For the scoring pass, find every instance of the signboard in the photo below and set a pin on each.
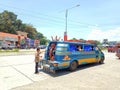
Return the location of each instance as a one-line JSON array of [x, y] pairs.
[[10, 39]]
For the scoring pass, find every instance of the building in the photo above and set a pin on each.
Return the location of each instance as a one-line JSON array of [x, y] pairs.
[[20, 40], [8, 39]]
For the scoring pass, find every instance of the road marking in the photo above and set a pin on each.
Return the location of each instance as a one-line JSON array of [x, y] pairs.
[[22, 73]]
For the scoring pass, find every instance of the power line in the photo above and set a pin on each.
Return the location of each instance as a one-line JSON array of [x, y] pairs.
[[44, 15], [51, 20], [56, 20]]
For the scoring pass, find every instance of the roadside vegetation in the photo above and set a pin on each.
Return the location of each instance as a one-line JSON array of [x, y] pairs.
[[8, 50]]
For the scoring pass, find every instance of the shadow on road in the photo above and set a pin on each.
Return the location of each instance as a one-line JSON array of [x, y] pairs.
[[67, 71]]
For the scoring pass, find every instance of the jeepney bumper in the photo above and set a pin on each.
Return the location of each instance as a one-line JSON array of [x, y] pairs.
[[50, 66], [47, 68]]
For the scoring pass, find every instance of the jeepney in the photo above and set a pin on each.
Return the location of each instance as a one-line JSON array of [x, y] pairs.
[[61, 55]]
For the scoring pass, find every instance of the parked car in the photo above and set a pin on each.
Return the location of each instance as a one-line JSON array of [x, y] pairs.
[[11, 46], [8, 46]]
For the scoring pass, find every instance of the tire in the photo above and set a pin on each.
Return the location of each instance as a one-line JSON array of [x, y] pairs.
[[73, 66], [101, 61]]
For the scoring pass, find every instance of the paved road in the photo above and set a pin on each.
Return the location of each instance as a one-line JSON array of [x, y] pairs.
[[17, 73]]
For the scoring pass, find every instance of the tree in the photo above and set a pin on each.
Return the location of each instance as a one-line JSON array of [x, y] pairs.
[[81, 39], [43, 41], [97, 42], [30, 30], [42, 38], [73, 39], [10, 24]]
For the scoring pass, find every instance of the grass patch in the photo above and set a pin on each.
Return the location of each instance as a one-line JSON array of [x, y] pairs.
[[13, 50]]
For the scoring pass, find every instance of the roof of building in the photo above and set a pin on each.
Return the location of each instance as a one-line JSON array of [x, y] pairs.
[[9, 35]]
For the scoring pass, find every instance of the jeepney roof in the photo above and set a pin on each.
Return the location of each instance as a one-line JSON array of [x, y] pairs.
[[71, 42]]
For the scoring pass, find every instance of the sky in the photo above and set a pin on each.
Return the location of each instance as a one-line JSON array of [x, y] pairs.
[[92, 20]]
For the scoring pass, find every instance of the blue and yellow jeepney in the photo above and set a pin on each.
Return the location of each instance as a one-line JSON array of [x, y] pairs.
[[61, 55]]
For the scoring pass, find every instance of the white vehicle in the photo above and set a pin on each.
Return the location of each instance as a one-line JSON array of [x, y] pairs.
[[7, 46], [11, 46]]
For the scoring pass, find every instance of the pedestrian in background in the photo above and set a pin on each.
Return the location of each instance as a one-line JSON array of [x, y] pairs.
[[37, 59]]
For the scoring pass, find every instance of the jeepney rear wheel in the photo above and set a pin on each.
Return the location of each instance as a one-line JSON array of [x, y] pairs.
[[102, 60], [73, 66]]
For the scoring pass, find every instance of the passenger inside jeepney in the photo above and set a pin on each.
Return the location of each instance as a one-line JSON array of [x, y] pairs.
[[52, 58], [52, 51], [79, 48]]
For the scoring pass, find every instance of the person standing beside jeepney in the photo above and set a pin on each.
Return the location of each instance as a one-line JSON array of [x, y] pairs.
[[37, 59]]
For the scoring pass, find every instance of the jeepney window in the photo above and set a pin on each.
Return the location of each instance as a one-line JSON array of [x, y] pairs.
[[88, 48], [72, 48], [79, 48], [75, 47]]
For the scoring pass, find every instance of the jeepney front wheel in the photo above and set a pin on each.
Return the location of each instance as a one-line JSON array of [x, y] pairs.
[[102, 60], [73, 66]]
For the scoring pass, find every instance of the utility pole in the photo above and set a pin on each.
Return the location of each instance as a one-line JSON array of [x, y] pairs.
[[66, 16]]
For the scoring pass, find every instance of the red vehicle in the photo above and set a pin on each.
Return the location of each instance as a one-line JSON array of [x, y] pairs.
[[118, 50], [111, 48]]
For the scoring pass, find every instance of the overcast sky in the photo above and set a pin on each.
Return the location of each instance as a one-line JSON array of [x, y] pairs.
[[93, 19]]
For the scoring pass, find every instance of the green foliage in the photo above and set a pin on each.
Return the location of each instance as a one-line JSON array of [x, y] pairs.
[[81, 39], [30, 30], [10, 24], [97, 42], [43, 40], [73, 39], [13, 50]]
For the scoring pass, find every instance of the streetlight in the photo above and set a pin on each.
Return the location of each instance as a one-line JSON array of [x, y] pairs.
[[66, 15]]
